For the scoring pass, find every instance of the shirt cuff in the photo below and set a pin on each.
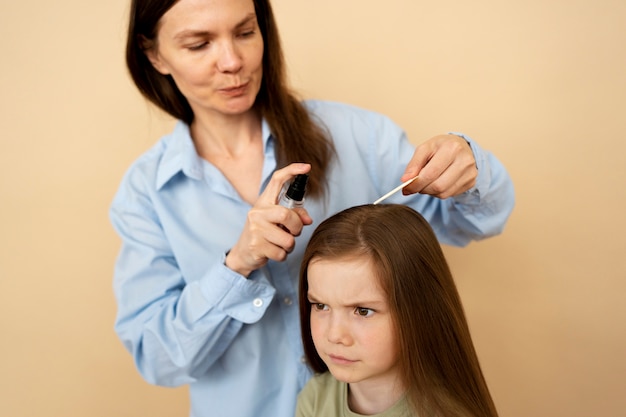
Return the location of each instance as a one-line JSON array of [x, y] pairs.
[[244, 299]]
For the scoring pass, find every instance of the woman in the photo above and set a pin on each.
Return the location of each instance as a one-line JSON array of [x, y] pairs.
[[382, 322], [206, 280]]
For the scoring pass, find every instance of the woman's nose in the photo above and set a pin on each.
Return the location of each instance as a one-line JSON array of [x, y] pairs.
[[229, 59]]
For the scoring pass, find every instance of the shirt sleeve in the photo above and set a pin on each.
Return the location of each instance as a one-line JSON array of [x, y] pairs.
[[479, 213], [175, 330], [482, 211]]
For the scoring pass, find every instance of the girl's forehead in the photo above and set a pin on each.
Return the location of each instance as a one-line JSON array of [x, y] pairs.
[[348, 257], [344, 278]]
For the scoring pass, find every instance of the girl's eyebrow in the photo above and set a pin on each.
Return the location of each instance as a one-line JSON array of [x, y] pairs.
[[190, 33], [371, 303], [313, 299]]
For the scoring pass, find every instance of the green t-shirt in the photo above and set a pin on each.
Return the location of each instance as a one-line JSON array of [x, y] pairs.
[[324, 396]]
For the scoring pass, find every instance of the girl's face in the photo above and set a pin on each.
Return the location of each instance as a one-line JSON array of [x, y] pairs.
[[351, 324], [213, 49]]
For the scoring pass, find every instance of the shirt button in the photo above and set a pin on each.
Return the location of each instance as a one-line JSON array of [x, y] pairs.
[[303, 359], [288, 301], [257, 302]]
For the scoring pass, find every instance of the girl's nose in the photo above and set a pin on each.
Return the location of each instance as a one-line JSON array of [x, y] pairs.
[[338, 332]]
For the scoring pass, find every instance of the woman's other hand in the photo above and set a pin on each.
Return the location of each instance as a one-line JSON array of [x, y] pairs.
[[445, 165]]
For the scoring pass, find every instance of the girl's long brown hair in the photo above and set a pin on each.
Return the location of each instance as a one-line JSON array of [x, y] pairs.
[[298, 137], [438, 363]]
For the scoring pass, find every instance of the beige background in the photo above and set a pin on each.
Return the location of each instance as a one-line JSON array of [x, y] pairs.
[[540, 83]]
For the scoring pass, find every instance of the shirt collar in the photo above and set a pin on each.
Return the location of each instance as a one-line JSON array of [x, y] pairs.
[[180, 154]]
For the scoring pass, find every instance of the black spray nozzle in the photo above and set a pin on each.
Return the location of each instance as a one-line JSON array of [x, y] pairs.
[[298, 187]]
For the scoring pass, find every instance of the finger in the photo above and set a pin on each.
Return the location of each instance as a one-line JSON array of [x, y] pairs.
[[436, 166], [431, 171], [460, 176], [279, 243], [304, 216], [420, 158], [262, 250], [447, 144], [446, 153], [447, 185], [456, 179], [295, 220], [279, 178], [270, 223], [264, 238]]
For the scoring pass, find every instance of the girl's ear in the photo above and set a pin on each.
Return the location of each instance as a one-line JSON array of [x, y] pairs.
[[150, 48]]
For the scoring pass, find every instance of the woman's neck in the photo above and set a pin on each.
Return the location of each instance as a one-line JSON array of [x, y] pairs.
[[234, 145], [225, 136]]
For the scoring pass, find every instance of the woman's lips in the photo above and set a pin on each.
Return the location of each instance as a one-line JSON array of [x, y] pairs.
[[234, 90]]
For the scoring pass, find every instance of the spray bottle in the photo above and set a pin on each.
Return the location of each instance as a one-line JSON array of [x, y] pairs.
[[294, 196]]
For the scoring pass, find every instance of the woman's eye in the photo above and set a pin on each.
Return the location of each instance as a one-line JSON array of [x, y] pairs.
[[364, 312], [246, 33], [197, 46], [249, 30]]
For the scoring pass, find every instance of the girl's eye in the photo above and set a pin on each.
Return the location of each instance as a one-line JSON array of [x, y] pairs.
[[364, 312], [320, 306]]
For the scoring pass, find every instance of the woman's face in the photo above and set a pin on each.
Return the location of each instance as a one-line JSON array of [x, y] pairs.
[[351, 324], [213, 49]]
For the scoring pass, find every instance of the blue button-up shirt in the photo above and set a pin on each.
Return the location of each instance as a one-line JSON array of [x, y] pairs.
[[188, 319]]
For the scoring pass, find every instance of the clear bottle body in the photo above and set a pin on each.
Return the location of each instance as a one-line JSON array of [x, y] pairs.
[[285, 201], [293, 197]]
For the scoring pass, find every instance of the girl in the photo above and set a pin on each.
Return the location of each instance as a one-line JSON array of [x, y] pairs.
[[382, 322]]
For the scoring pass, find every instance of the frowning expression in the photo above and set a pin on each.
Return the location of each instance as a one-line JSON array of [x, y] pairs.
[[351, 325]]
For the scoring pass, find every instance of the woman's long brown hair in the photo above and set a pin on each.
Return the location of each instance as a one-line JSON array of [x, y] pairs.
[[437, 360], [298, 137]]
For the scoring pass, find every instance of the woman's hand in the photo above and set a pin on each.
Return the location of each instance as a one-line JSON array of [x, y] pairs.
[[262, 237], [445, 165]]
